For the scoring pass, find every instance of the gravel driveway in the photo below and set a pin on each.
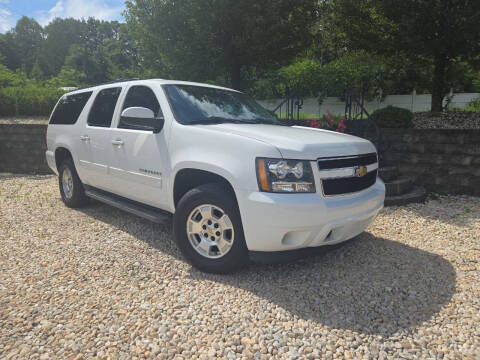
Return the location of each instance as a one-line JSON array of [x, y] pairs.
[[98, 282]]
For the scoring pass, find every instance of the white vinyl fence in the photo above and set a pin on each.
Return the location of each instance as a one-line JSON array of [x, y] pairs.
[[412, 102]]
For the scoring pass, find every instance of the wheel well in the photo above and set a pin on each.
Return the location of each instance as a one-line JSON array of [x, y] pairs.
[[60, 155], [187, 179]]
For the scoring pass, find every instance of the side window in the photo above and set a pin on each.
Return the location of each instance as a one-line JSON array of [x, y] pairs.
[[142, 96], [103, 107], [69, 108]]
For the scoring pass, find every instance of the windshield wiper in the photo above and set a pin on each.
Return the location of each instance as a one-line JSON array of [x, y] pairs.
[[219, 120], [265, 121]]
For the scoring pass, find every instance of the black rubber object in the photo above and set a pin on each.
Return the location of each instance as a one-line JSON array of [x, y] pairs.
[[220, 195]]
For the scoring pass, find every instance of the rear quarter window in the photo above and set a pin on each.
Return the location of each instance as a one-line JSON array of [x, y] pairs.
[[103, 107], [69, 108]]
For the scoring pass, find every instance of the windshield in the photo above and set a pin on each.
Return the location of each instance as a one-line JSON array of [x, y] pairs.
[[205, 105]]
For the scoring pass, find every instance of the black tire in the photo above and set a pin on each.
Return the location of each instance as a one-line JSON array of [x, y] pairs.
[[221, 196], [78, 197]]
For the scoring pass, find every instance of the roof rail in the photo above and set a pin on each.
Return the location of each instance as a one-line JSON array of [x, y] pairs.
[[107, 83], [118, 80]]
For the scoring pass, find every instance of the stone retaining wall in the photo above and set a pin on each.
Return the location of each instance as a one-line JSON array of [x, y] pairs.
[[22, 148], [442, 160]]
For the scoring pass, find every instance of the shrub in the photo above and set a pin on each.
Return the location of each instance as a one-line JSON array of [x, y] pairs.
[[20, 96], [33, 99], [473, 106], [393, 117], [358, 69], [328, 121]]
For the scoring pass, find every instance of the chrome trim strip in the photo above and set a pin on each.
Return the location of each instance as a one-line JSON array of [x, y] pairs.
[[343, 172], [340, 158]]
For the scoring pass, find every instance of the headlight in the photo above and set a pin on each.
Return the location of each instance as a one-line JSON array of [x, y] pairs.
[[286, 176]]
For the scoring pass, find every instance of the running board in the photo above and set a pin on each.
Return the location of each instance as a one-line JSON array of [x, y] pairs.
[[147, 212]]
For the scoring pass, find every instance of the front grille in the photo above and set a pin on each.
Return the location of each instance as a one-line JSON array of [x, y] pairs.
[[346, 161], [337, 173], [348, 184]]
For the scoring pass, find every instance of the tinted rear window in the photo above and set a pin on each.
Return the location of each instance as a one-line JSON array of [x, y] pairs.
[[69, 108], [103, 107]]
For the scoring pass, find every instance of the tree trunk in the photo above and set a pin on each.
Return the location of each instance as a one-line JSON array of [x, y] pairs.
[[438, 86], [236, 76]]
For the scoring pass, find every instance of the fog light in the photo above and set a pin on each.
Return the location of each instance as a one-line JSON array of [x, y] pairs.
[[293, 187]]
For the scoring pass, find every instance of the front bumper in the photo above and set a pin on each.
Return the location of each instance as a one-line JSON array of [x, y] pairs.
[[50, 156], [279, 222]]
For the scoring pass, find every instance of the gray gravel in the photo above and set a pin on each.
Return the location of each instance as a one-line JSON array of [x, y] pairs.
[[447, 120], [100, 283], [24, 120]]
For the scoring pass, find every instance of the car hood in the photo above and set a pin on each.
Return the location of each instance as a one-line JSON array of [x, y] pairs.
[[299, 142]]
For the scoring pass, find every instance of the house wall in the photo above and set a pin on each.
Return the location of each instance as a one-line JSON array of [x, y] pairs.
[[412, 102]]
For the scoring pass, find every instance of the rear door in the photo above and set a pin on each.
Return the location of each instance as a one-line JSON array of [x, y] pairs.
[[66, 120], [95, 138], [139, 158]]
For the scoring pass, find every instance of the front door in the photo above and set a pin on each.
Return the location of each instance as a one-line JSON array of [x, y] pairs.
[[139, 157], [95, 139]]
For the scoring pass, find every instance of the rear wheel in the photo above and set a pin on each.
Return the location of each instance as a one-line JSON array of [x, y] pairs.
[[71, 187], [209, 231]]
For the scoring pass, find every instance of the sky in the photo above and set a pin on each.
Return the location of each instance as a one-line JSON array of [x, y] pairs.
[[46, 10]]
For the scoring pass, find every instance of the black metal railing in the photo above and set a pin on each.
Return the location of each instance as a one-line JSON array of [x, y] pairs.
[[358, 120], [289, 109]]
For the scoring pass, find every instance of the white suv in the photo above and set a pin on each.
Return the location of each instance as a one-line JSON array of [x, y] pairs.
[[239, 182]]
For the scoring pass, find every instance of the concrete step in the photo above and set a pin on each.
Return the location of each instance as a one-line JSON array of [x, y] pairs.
[[388, 173], [416, 195], [399, 186]]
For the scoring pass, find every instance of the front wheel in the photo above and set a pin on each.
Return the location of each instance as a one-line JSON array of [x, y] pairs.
[[208, 229], [71, 187]]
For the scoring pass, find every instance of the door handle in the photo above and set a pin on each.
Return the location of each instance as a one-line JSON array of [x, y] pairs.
[[117, 142], [84, 138]]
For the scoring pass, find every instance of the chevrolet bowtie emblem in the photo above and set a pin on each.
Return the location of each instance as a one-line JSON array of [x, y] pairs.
[[359, 170]]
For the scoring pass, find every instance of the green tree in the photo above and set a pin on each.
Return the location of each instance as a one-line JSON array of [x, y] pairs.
[[26, 39], [36, 73], [439, 30], [9, 51], [67, 77], [10, 78], [200, 39], [60, 34], [357, 69]]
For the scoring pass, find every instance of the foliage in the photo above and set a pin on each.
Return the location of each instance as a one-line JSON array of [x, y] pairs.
[[302, 116], [473, 106], [68, 77], [97, 51], [438, 30], [302, 77], [329, 121], [30, 100], [358, 70], [393, 117], [26, 38], [200, 39], [268, 48], [22, 96]]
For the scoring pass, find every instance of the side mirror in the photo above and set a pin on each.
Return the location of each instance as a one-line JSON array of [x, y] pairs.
[[140, 118]]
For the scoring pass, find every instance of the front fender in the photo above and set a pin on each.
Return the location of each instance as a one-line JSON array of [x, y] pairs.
[[225, 154]]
